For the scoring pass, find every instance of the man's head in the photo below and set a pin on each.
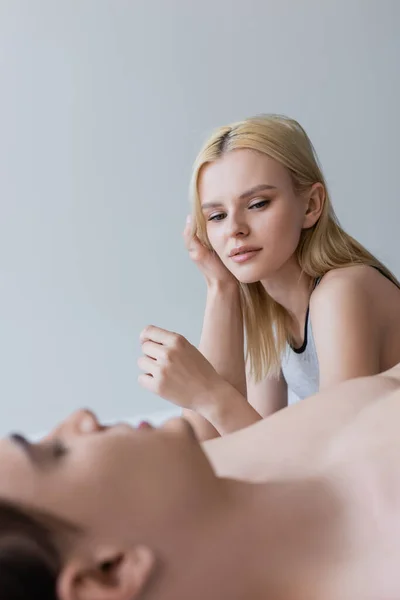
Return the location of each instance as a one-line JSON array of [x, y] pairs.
[[132, 496]]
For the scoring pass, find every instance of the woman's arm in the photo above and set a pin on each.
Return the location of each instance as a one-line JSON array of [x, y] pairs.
[[177, 371], [345, 328], [222, 343], [268, 395], [222, 338]]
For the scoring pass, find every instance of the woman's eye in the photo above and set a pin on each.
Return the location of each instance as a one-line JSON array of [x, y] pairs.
[[217, 217], [259, 204]]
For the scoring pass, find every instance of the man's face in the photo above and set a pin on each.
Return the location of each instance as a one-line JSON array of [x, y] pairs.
[[114, 482]]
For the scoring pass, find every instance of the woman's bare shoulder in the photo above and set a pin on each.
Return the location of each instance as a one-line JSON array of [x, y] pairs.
[[356, 275], [358, 281]]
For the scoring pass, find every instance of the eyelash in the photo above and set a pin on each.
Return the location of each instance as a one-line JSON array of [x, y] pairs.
[[263, 203]]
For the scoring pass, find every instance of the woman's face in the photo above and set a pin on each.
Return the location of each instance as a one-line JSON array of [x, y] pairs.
[[113, 481], [250, 207]]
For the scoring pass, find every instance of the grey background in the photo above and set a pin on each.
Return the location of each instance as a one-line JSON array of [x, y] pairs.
[[103, 106]]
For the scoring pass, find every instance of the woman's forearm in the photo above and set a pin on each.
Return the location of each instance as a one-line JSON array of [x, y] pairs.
[[222, 344], [222, 338], [224, 411], [227, 410]]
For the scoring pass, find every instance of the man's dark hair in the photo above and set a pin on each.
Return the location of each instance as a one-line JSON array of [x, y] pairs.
[[30, 557]]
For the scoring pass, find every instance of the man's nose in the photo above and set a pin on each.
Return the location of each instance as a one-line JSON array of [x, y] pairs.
[[79, 422]]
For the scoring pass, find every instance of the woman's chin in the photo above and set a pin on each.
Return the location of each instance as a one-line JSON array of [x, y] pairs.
[[247, 280], [248, 276]]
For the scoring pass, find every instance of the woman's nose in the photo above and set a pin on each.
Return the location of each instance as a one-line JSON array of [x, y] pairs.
[[80, 422], [237, 226]]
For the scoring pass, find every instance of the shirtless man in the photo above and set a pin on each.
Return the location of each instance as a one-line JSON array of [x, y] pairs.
[[152, 521]]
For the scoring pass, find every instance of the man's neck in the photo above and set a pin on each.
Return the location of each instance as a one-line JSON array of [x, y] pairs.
[[260, 541]]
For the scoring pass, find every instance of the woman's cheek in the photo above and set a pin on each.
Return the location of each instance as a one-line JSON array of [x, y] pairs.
[[213, 239]]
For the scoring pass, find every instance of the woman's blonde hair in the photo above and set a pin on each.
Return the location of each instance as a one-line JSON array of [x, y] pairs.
[[323, 247]]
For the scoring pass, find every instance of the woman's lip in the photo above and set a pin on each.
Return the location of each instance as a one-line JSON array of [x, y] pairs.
[[242, 250], [244, 256]]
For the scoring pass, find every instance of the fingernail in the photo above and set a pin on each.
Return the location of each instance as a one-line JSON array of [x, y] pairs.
[[189, 219]]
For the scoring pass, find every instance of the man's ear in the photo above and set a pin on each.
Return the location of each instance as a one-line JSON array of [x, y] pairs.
[[315, 204], [110, 575]]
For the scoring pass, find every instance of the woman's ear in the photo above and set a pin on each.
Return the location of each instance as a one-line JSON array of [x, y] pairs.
[[110, 575], [315, 204]]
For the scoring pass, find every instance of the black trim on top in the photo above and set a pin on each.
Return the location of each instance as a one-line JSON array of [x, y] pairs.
[[304, 344], [317, 281]]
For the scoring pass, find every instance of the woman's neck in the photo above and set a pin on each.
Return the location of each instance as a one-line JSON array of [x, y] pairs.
[[291, 288]]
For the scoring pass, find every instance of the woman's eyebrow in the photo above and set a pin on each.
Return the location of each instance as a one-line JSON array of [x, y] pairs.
[[254, 190], [257, 188]]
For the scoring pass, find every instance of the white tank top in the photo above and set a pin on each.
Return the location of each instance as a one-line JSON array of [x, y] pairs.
[[300, 366]]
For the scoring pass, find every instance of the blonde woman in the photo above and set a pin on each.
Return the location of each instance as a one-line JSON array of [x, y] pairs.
[[290, 293]]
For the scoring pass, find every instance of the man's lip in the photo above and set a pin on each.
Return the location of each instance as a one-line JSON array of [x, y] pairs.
[[144, 425], [243, 250]]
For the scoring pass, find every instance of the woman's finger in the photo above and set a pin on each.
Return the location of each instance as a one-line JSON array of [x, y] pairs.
[[157, 334], [192, 242], [153, 350], [187, 232], [147, 381], [147, 365]]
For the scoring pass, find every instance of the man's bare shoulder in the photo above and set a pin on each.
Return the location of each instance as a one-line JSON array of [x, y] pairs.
[[392, 374]]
